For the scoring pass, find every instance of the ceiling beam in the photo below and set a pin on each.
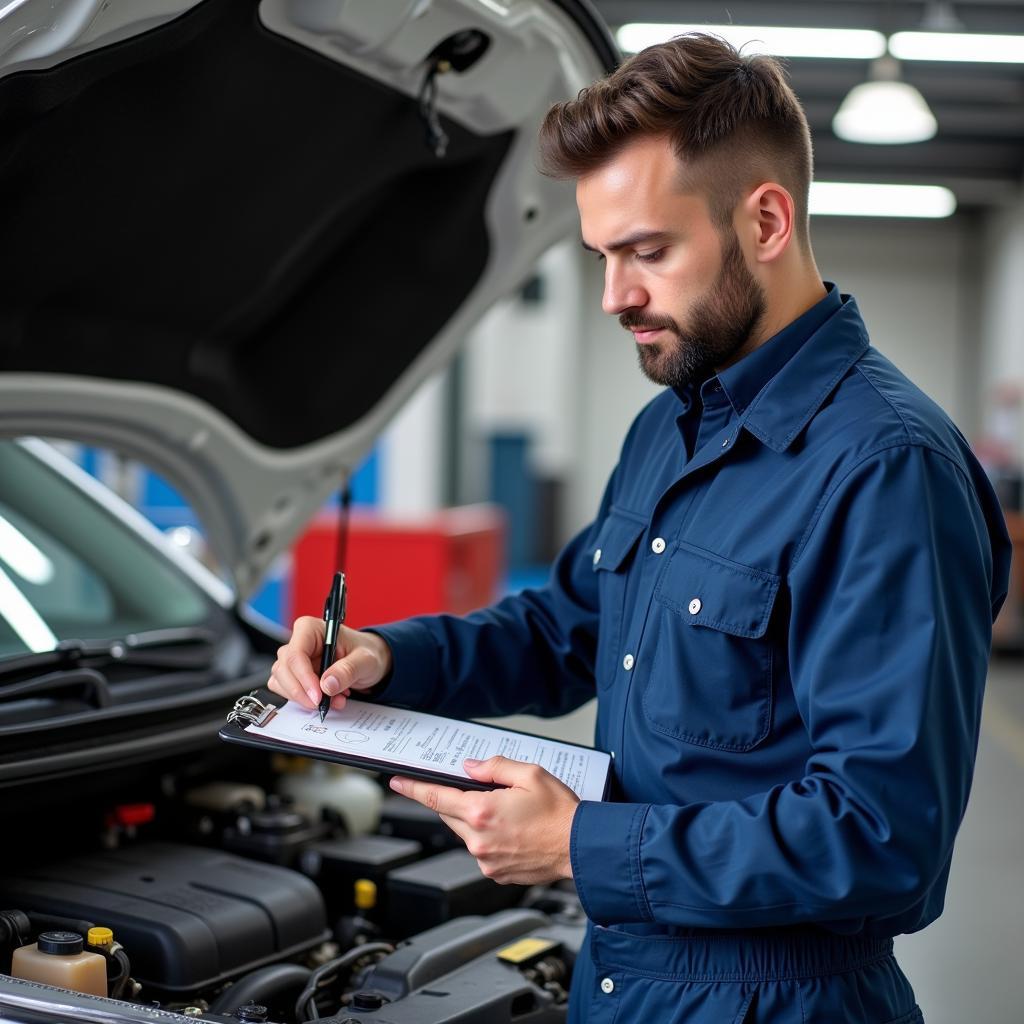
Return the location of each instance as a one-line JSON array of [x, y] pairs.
[[963, 121], [945, 156]]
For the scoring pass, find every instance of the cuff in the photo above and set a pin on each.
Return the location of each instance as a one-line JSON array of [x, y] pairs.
[[604, 848], [414, 664]]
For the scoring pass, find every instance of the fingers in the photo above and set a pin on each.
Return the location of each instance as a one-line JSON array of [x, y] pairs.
[[291, 679], [358, 670], [292, 675], [505, 772], [308, 635], [459, 827], [365, 661], [452, 803]]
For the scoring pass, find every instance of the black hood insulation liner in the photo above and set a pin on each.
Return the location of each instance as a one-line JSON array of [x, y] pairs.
[[214, 208]]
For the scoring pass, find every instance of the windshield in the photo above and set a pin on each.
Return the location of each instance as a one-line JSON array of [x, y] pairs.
[[71, 570]]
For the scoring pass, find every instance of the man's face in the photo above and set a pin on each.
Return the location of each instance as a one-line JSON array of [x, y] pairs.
[[688, 299]]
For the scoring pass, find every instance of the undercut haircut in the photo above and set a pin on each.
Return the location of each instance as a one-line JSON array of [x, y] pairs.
[[733, 123]]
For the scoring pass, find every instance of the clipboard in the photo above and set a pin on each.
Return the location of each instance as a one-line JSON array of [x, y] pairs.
[[251, 711]]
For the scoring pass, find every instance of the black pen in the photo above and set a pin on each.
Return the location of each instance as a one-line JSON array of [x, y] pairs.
[[334, 616]]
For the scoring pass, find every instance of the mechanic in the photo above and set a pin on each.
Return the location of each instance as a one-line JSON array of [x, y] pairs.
[[784, 605]]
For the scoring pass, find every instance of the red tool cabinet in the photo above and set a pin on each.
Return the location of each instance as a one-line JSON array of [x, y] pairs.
[[452, 561]]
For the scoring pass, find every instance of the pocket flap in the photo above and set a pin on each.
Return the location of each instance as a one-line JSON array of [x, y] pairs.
[[711, 591], [615, 541]]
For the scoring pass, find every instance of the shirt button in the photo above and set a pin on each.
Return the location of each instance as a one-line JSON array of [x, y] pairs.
[[597, 556], [725, 443], [695, 606], [658, 545], [607, 986], [627, 662], [613, 755]]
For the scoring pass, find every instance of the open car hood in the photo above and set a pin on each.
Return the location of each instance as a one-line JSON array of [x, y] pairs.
[[228, 244]]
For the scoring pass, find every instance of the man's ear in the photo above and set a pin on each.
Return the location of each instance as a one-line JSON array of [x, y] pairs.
[[769, 215]]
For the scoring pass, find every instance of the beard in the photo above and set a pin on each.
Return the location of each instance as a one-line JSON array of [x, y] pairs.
[[719, 325]]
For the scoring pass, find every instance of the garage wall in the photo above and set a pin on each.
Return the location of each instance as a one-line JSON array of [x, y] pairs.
[[411, 454], [917, 286], [519, 375], [1002, 318], [520, 364]]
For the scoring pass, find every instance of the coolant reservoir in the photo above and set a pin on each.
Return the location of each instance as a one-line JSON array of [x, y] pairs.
[[353, 794], [58, 958]]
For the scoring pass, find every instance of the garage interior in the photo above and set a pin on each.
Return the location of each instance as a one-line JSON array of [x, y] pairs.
[[500, 453]]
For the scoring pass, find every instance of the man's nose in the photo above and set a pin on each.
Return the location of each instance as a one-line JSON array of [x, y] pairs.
[[621, 291]]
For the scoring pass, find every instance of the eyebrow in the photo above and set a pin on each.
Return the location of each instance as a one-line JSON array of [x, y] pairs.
[[624, 243]]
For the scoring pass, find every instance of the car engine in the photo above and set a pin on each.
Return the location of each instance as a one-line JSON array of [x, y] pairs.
[[317, 894]]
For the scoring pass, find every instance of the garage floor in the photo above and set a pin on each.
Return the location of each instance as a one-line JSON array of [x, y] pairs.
[[968, 967]]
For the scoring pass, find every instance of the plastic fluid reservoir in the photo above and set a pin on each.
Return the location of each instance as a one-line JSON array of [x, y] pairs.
[[355, 795], [58, 959]]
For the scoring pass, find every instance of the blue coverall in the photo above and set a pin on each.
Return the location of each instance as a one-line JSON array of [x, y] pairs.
[[784, 607]]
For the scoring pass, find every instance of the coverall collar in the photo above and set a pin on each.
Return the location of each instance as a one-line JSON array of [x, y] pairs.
[[777, 389], [744, 380], [788, 402]]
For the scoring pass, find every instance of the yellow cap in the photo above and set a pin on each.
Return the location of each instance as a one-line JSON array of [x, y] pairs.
[[366, 894], [100, 936], [526, 949]]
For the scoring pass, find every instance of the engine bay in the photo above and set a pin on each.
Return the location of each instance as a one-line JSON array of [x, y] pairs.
[[272, 890]]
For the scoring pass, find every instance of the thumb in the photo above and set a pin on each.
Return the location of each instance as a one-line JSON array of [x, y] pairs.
[[501, 770], [358, 670]]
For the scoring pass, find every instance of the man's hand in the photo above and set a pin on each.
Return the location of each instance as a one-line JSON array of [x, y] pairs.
[[519, 834], [364, 659]]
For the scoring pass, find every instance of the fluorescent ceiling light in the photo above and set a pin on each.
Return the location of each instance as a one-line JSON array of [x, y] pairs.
[[859, 199], [959, 46], [859, 44]]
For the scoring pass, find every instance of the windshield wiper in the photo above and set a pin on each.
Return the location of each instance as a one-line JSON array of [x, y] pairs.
[[181, 647], [89, 684]]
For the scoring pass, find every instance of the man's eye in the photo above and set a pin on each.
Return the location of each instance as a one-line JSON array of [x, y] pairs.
[[650, 257]]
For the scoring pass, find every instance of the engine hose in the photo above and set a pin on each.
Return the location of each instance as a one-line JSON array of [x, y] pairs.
[[305, 1005], [14, 928], [262, 986], [51, 922], [14, 932], [121, 982]]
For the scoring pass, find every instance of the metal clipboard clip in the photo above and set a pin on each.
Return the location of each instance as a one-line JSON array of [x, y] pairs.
[[252, 711]]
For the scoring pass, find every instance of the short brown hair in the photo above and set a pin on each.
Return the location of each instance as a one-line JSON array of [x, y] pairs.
[[732, 120]]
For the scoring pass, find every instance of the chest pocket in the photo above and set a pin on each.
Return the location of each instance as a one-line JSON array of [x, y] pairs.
[[612, 557], [710, 679]]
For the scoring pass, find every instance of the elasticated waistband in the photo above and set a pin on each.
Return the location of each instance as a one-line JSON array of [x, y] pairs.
[[736, 956]]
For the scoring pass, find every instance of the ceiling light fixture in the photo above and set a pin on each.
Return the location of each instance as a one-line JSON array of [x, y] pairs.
[[884, 110], [958, 46], [839, 43], [861, 199]]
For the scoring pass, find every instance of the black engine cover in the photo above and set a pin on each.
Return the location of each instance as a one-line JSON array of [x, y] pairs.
[[189, 918]]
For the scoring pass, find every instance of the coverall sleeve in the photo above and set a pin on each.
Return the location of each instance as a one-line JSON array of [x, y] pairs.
[[532, 653], [892, 597]]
